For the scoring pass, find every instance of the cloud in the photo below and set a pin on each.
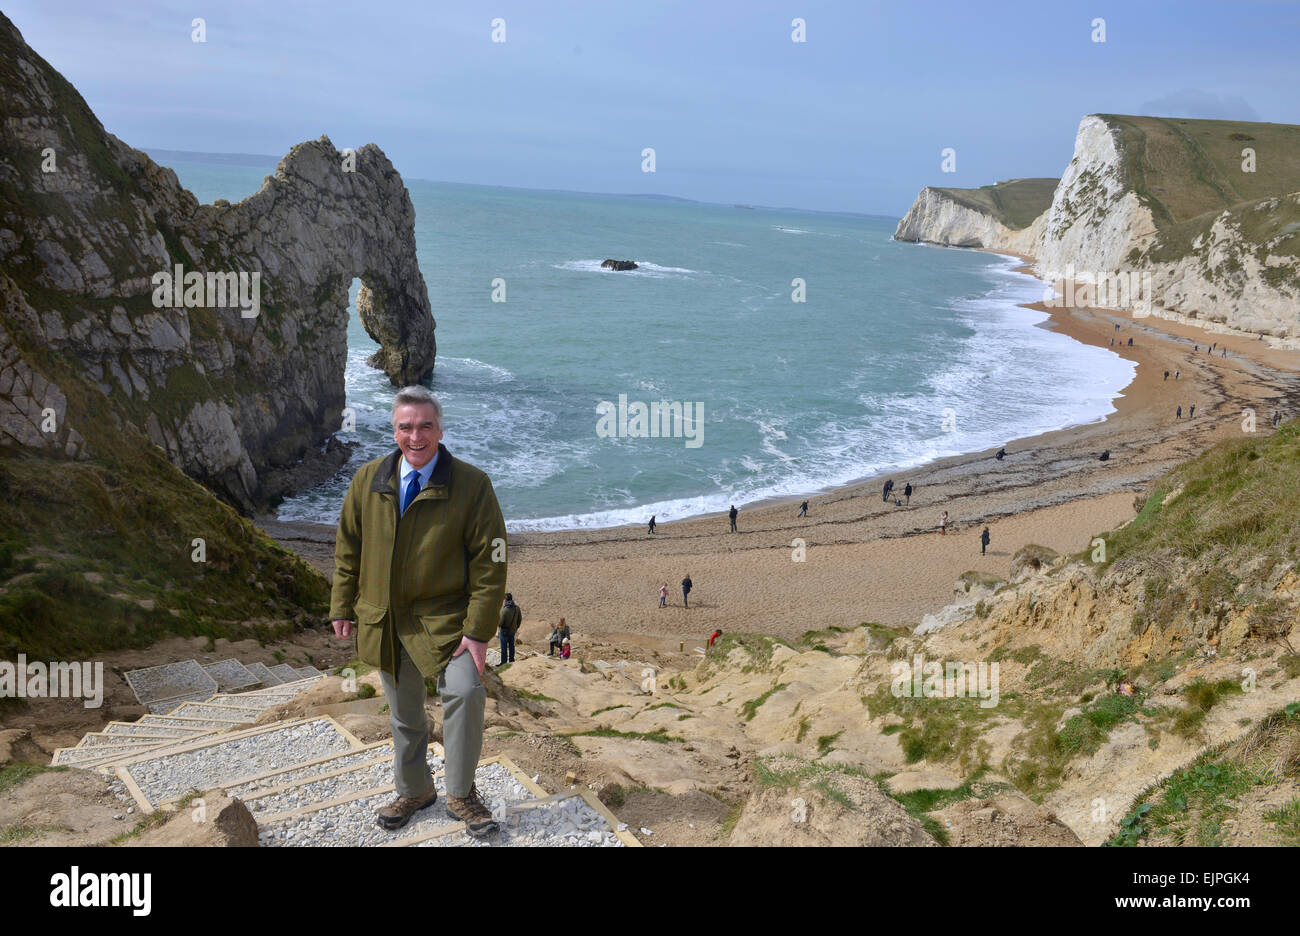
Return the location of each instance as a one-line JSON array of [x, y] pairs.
[[1202, 104]]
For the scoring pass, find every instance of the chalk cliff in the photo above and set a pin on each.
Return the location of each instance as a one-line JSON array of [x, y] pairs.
[[243, 403], [992, 217], [1209, 209]]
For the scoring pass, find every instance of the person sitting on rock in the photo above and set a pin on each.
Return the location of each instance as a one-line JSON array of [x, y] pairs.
[[565, 649], [558, 636]]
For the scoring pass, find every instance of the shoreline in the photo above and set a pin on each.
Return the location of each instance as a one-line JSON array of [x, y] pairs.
[[868, 560]]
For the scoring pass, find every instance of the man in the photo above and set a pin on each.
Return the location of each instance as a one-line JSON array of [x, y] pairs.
[[732, 515], [415, 569], [687, 585], [907, 492], [511, 618], [984, 540], [803, 509]]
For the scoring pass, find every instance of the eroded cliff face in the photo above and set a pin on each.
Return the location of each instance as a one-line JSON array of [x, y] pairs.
[[241, 402], [935, 218], [1238, 269]]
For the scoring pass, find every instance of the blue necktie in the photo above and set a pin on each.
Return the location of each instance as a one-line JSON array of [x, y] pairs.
[[411, 490]]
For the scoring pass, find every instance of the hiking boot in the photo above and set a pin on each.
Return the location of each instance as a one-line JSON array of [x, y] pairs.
[[399, 812], [470, 810]]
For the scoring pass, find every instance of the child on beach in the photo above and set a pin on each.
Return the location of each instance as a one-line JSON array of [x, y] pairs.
[[663, 595], [943, 524], [565, 649]]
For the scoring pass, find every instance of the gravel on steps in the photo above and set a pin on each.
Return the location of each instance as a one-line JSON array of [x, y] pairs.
[[569, 822], [353, 823], [173, 775], [150, 729], [244, 790], [318, 791]]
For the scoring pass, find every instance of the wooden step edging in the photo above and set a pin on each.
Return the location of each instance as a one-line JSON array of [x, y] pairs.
[[147, 807]]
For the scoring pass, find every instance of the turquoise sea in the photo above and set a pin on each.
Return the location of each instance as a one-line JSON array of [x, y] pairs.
[[901, 354]]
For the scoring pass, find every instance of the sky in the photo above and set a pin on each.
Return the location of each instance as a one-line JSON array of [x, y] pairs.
[[855, 118]]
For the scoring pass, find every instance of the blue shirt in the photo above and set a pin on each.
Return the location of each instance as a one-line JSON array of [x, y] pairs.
[[406, 471]]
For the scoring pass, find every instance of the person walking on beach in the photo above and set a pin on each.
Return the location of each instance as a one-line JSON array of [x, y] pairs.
[[889, 486], [1277, 418], [984, 540], [1178, 413], [1192, 411], [732, 515], [1176, 374], [1166, 375], [1130, 342], [687, 585], [803, 509], [414, 571], [652, 523], [511, 618], [559, 635], [943, 524], [663, 595], [907, 492]]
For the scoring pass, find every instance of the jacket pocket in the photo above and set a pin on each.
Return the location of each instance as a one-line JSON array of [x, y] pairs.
[[370, 632]]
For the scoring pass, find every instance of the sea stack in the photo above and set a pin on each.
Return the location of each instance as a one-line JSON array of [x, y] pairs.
[[618, 265]]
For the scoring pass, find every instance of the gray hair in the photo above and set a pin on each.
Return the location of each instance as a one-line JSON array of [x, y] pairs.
[[418, 396]]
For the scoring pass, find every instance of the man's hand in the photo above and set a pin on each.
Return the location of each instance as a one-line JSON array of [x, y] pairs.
[[477, 650], [342, 628]]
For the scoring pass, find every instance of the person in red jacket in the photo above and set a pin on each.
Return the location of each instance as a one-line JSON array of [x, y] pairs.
[[713, 638]]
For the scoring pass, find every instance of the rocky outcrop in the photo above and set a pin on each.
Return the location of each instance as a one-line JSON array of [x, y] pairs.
[[240, 382], [618, 265]]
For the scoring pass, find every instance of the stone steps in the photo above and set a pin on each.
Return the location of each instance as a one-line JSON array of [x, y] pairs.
[[158, 734], [159, 777]]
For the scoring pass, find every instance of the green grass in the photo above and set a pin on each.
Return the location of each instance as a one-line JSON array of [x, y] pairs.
[[1015, 203], [13, 775], [16, 834], [651, 708], [750, 708], [659, 734], [533, 696], [813, 638], [1189, 806], [826, 742], [1238, 498], [758, 649], [608, 708], [1287, 819], [919, 803]]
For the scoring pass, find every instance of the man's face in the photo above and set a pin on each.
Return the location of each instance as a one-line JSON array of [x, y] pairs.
[[417, 433]]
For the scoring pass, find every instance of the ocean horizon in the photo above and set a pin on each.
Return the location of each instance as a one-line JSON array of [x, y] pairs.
[[898, 356]]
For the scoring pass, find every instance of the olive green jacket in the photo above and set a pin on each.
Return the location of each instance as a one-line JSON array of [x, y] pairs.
[[435, 576]]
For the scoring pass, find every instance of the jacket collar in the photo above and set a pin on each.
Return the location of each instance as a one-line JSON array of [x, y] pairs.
[[383, 480]]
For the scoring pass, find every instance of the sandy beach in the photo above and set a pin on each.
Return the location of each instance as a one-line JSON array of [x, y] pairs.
[[867, 560]]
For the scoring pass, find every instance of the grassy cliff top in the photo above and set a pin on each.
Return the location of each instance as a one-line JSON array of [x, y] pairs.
[[1187, 168], [1016, 202]]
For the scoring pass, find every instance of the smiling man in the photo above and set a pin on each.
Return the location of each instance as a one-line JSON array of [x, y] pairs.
[[414, 569]]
